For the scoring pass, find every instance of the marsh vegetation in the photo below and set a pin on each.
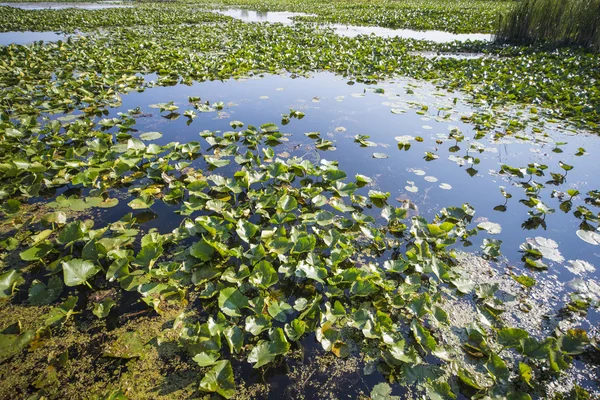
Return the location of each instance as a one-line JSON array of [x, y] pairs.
[[554, 23], [195, 206]]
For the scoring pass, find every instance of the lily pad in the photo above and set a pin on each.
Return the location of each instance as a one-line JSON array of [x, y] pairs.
[[8, 282], [380, 155], [220, 380], [149, 136], [547, 247], [12, 344], [491, 227], [231, 301], [589, 237], [579, 267], [41, 294], [77, 271]]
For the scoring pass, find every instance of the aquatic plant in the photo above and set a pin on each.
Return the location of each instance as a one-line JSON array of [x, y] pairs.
[[263, 254], [271, 250], [552, 22]]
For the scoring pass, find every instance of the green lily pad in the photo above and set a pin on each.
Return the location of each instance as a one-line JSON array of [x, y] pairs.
[[77, 271], [220, 380], [149, 136], [9, 281], [231, 301], [12, 344], [40, 294]]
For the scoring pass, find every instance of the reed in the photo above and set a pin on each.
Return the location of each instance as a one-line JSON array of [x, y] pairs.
[[552, 22]]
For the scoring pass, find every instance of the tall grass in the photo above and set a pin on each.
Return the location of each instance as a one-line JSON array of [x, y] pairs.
[[553, 22]]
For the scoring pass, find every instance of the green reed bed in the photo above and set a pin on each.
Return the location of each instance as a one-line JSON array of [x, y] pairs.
[[562, 23]]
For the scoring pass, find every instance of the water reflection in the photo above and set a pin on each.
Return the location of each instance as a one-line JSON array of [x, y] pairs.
[[433, 156], [433, 36], [282, 17], [7, 38], [62, 6], [351, 30], [454, 56]]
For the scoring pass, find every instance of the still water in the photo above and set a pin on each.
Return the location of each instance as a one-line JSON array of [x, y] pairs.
[[432, 174], [62, 6], [7, 38], [286, 18], [435, 172]]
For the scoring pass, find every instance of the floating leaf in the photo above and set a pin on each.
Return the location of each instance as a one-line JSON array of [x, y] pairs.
[[256, 325], [202, 250], [264, 275], [383, 391], [36, 252], [63, 311], [497, 368], [220, 380], [8, 282], [524, 280], [579, 267], [246, 230], [149, 136], [127, 345], [295, 329], [491, 227], [205, 359], [235, 338], [548, 248], [77, 271], [473, 379], [288, 203], [464, 285], [278, 310], [12, 344], [266, 351], [589, 237], [511, 337], [526, 373], [231, 300], [380, 155], [40, 294], [102, 309]]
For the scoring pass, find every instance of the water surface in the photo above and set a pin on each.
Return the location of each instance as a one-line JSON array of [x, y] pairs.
[[454, 56], [387, 111], [286, 18], [400, 110], [432, 36], [62, 6], [27, 37], [281, 17]]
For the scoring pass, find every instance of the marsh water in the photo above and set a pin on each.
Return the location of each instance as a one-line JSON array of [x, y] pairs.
[[7, 38], [413, 140], [353, 30], [409, 111], [402, 109], [62, 6], [432, 36], [281, 17]]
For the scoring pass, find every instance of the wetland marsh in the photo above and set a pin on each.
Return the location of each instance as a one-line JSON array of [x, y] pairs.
[[242, 200]]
